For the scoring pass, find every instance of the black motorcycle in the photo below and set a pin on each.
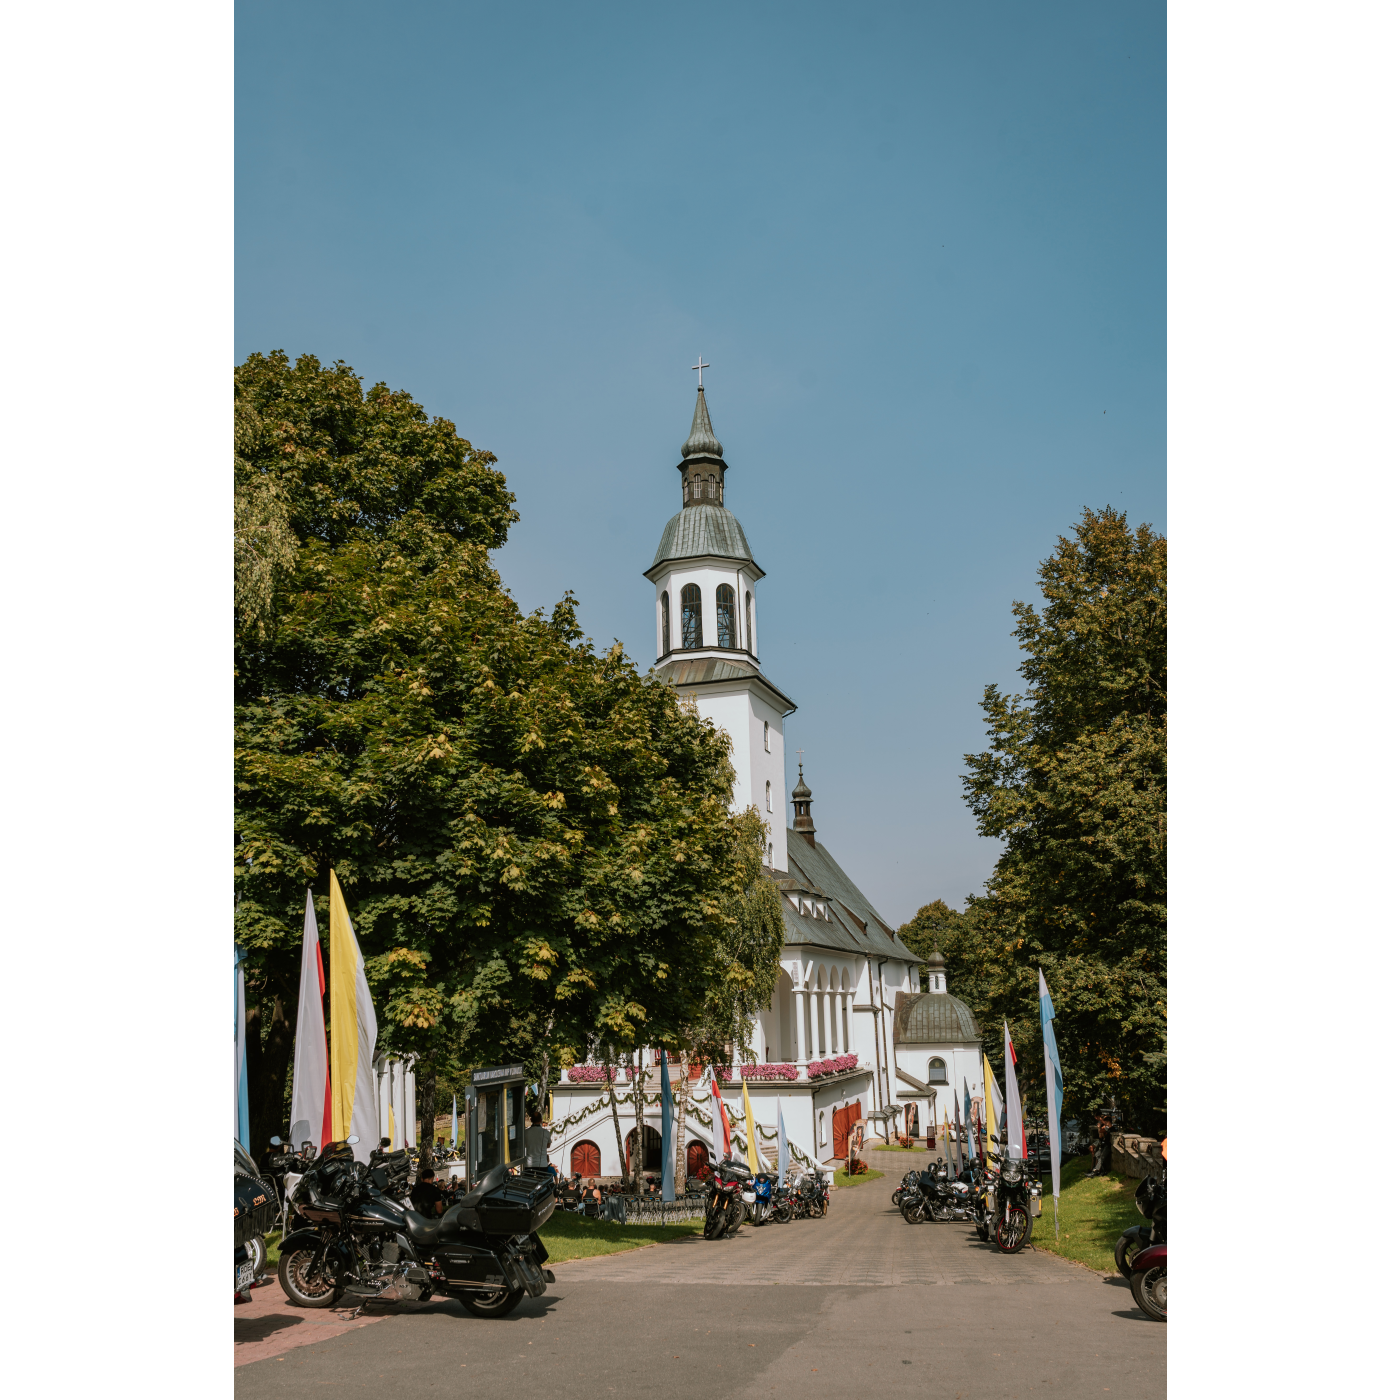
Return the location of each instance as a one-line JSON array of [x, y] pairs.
[[1151, 1201], [730, 1189], [814, 1196], [1017, 1202], [254, 1211], [909, 1183], [359, 1242], [933, 1196]]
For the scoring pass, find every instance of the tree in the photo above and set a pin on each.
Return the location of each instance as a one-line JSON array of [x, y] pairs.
[[931, 929], [1074, 782], [528, 832]]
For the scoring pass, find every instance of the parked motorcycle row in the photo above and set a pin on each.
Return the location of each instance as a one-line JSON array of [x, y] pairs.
[[1002, 1206], [736, 1194], [355, 1236]]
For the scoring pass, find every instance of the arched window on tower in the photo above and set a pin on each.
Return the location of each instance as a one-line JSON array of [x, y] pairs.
[[724, 614], [691, 633], [710, 486], [748, 621], [665, 623], [937, 1072], [766, 747], [768, 795]]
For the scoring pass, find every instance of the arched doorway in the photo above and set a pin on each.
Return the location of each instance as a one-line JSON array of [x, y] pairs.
[[697, 1160], [651, 1149], [585, 1160]]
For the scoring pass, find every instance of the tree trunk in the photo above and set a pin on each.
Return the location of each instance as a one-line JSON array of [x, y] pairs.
[[617, 1126], [427, 1112], [268, 1062], [639, 1100]]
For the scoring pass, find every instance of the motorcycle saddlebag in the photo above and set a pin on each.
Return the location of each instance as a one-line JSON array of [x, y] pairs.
[[518, 1206]]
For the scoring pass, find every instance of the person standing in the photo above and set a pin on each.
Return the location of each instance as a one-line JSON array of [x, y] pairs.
[[1101, 1144], [537, 1143]]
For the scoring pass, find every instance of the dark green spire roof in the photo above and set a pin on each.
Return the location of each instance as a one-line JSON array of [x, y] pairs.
[[702, 441]]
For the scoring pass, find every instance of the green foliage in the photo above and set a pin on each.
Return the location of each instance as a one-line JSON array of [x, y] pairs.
[[532, 838], [840, 1178], [931, 928], [1094, 1212], [1074, 783]]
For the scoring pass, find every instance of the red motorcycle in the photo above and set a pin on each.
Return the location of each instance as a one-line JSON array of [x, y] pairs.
[[1149, 1281]]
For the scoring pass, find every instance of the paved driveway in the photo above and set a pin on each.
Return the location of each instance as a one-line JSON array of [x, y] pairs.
[[857, 1298]]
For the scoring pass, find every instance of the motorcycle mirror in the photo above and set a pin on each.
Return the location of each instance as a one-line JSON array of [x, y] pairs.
[[352, 1140], [275, 1141]]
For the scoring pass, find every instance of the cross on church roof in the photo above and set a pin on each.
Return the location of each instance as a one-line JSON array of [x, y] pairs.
[[700, 367]]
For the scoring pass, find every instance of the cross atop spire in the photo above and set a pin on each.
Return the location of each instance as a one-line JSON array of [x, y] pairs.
[[700, 367]]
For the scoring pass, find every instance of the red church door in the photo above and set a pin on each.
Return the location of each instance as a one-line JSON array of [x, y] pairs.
[[585, 1159]]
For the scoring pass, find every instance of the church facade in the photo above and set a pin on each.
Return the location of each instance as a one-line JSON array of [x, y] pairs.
[[825, 1049]]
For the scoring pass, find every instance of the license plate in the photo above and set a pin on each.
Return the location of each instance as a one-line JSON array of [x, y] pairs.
[[243, 1276]]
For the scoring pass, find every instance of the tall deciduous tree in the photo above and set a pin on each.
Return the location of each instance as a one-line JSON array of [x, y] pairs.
[[528, 832], [1075, 783]]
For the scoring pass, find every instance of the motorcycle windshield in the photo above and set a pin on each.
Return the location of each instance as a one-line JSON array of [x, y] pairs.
[[242, 1162]]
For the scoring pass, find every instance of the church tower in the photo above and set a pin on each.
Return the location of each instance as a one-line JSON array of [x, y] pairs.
[[706, 585]]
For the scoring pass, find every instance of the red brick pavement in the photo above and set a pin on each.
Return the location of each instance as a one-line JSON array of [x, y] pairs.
[[270, 1325]]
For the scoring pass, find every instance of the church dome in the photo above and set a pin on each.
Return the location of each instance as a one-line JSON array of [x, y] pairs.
[[931, 1017], [700, 529]]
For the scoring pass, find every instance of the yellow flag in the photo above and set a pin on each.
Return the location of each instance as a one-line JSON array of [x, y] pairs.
[[749, 1131], [354, 1093], [991, 1111], [392, 1129]]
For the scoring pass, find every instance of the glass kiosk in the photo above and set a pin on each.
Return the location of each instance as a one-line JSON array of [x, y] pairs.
[[497, 1119]]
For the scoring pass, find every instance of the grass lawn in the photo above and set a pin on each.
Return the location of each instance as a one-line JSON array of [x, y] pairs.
[[1092, 1216], [570, 1236], [841, 1179]]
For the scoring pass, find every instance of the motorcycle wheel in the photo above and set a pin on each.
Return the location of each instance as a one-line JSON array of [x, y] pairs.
[[912, 1212], [1013, 1230], [257, 1250], [302, 1291], [984, 1233], [1130, 1243], [1150, 1293], [895, 1199], [494, 1304], [736, 1217], [782, 1213], [714, 1226]]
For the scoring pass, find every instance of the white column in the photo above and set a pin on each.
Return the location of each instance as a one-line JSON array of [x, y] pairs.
[[800, 1006], [835, 1037]]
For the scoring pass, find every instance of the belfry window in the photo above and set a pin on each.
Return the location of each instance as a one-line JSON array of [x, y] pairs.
[[937, 1072], [724, 614], [710, 486], [691, 632], [748, 621], [665, 623]]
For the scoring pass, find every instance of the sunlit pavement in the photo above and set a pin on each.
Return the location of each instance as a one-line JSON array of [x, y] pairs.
[[859, 1297]]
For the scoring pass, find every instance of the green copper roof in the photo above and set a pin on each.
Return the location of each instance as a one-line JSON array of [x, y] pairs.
[[933, 1017], [700, 530]]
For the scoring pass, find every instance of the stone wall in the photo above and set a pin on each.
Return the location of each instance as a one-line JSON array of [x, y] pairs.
[[1134, 1155]]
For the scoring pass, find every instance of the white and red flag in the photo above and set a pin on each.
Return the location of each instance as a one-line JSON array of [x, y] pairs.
[[311, 1066], [1015, 1123], [721, 1116]]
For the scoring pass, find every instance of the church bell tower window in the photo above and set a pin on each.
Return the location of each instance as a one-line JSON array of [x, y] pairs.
[[690, 617], [748, 621], [665, 623], [724, 613]]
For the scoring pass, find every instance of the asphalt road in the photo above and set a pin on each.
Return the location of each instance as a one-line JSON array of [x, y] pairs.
[[857, 1298]]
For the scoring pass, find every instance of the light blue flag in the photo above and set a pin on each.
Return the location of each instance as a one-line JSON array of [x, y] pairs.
[[453, 1143], [668, 1132], [240, 1053], [782, 1147], [1055, 1101]]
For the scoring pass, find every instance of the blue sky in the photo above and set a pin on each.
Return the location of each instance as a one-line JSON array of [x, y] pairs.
[[922, 247]]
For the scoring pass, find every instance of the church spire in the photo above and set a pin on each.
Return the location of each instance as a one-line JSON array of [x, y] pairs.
[[702, 441], [702, 465], [802, 807]]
